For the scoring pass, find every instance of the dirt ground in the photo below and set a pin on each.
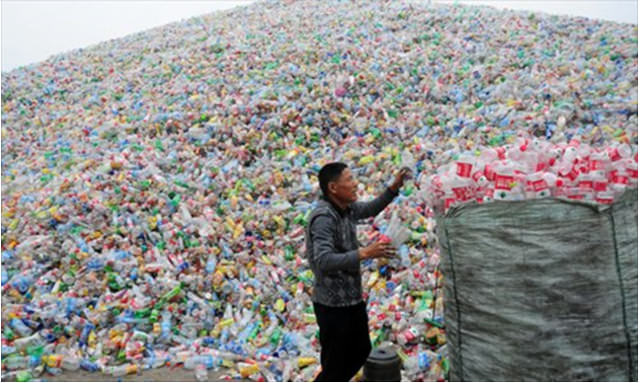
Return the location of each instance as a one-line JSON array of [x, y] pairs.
[[178, 374]]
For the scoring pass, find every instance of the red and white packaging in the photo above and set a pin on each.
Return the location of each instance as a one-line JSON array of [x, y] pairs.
[[585, 182], [489, 172], [605, 198], [600, 184], [576, 194], [618, 178], [463, 189], [504, 181], [464, 166], [632, 170], [532, 168]]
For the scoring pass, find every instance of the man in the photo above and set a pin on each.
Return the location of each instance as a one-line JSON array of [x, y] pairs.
[[334, 255]]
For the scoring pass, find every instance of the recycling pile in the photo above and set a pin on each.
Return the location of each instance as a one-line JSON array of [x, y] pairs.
[[155, 188]]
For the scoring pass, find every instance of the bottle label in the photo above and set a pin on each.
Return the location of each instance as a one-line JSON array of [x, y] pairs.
[[503, 182], [620, 179], [600, 185], [477, 175], [489, 173], [409, 336], [464, 169], [614, 154], [448, 202], [132, 369], [463, 193], [586, 184], [539, 185], [573, 174], [423, 361]]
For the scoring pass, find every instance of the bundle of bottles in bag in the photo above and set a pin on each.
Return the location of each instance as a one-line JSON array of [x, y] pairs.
[[531, 168]]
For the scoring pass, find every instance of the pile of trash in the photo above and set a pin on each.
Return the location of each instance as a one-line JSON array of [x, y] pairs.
[[156, 188]]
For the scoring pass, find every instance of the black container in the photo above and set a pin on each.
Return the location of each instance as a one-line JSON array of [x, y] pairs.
[[383, 365]]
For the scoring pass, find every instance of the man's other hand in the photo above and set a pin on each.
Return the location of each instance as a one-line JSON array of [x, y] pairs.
[[401, 176]]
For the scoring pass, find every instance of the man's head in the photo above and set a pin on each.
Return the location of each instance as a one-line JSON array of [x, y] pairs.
[[337, 182]]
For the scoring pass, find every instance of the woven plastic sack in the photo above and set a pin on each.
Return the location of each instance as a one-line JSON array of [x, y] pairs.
[[541, 290]]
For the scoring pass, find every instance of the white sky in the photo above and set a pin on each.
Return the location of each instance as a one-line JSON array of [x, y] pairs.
[[34, 30], [625, 11]]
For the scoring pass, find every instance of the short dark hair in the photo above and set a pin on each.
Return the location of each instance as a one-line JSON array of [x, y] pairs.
[[329, 173]]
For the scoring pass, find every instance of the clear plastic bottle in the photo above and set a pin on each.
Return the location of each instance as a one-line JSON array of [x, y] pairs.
[[462, 188], [70, 363], [211, 263], [405, 260], [122, 370], [19, 326], [34, 340], [153, 361], [465, 165], [411, 368], [201, 373], [407, 160], [90, 366], [287, 371], [619, 151], [16, 362]]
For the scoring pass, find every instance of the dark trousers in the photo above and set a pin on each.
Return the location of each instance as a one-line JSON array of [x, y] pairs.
[[344, 341]]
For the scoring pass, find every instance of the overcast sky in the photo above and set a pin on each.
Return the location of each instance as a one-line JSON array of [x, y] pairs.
[[625, 11], [34, 30]]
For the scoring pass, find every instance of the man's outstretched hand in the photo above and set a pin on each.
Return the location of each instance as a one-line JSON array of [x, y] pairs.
[[377, 249], [401, 176]]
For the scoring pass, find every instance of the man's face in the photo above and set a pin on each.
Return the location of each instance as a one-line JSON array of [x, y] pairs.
[[345, 188]]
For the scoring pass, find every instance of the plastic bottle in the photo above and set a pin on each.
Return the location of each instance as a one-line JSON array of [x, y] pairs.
[[24, 376], [19, 326], [153, 361], [465, 165], [405, 261], [125, 369], [407, 337], [34, 340], [201, 373], [618, 152], [248, 369], [70, 363], [211, 264], [5, 276], [17, 362], [90, 366]]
